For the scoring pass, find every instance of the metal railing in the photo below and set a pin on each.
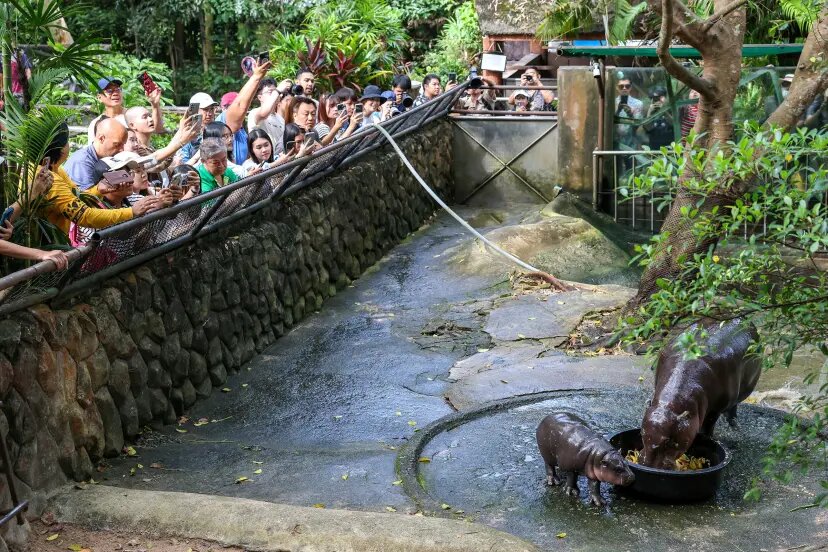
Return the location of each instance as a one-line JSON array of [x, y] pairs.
[[613, 170], [118, 248]]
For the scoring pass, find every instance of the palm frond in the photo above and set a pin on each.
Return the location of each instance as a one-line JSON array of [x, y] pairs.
[[804, 12], [623, 21], [565, 19], [80, 59], [43, 79]]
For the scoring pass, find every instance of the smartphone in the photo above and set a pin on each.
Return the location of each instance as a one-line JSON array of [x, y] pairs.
[[264, 57], [358, 108], [197, 120], [117, 177], [6, 215], [623, 100], [47, 162], [146, 81], [311, 138], [452, 77], [192, 109], [340, 108]]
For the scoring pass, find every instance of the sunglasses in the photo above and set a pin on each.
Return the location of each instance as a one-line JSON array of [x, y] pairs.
[[624, 86]]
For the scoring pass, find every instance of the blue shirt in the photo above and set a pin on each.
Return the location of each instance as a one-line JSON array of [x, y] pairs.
[[240, 154], [239, 141], [81, 167]]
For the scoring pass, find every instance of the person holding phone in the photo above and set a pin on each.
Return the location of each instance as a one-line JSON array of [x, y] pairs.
[[274, 105], [626, 107], [62, 204], [372, 101], [539, 100], [261, 150], [332, 117], [347, 98], [118, 179]]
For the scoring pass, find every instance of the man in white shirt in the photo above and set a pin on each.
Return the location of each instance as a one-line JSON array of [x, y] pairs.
[[269, 116], [112, 98]]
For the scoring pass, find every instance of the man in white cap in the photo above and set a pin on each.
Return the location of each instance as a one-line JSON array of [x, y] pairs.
[[233, 116]]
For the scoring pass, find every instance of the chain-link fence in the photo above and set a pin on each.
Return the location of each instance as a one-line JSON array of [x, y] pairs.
[[132, 243]]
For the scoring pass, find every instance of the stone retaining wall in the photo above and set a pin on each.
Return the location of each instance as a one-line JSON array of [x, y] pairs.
[[79, 381]]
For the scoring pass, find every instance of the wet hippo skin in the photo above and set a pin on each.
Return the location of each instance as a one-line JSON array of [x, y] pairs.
[[690, 395], [567, 444]]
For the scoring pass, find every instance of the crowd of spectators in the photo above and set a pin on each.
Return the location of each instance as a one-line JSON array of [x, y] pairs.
[[120, 175]]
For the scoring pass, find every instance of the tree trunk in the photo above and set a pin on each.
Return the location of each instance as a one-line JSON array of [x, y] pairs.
[[207, 33], [720, 40], [60, 33]]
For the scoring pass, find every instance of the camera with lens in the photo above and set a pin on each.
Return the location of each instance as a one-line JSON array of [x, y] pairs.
[[407, 101], [297, 90], [395, 111]]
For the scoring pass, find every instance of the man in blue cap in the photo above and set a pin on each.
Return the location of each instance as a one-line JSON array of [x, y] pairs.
[[112, 98]]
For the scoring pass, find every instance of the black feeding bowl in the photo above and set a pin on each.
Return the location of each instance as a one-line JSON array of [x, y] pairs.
[[674, 486]]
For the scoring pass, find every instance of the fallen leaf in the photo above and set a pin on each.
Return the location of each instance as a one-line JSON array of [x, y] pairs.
[[139, 466], [130, 451], [503, 381], [257, 472], [640, 378], [242, 479], [398, 482], [398, 413], [131, 472], [257, 462], [319, 505], [521, 336], [156, 466], [52, 537], [561, 535], [225, 389], [533, 318], [390, 508], [178, 429], [459, 512], [244, 385], [445, 506], [339, 417], [412, 423], [424, 460], [201, 422], [482, 350], [75, 547], [560, 302], [147, 480]]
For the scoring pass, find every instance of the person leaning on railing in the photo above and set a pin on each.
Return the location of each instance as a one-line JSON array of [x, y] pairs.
[[40, 185], [213, 170], [62, 204]]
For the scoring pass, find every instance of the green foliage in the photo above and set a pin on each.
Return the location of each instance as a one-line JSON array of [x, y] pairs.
[[365, 37], [803, 12], [775, 277], [459, 42], [570, 17], [423, 21]]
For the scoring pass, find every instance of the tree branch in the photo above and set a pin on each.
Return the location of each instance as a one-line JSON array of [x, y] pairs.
[[725, 11], [665, 37], [686, 21]]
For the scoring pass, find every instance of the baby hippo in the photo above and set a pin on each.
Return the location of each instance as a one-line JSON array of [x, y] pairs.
[[566, 443], [690, 395]]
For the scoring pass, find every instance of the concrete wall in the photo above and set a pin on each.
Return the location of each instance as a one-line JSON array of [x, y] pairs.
[[578, 107], [77, 382]]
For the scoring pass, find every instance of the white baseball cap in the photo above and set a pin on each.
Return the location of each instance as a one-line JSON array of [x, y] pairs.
[[203, 100], [523, 93]]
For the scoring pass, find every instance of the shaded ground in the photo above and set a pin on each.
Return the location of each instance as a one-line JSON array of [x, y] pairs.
[[70, 537]]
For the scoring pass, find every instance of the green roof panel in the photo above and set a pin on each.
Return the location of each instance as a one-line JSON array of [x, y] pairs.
[[748, 50]]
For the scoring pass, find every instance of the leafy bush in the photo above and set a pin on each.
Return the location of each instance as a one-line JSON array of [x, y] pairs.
[[776, 277], [460, 41], [353, 43]]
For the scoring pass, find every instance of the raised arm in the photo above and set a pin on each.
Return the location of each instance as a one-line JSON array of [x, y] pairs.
[[238, 109]]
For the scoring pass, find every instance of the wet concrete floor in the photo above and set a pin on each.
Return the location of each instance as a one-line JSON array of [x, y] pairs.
[[322, 412]]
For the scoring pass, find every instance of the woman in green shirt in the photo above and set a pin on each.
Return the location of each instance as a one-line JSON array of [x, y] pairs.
[[213, 170]]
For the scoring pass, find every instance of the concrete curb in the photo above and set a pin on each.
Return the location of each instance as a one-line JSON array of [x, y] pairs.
[[408, 464], [265, 526]]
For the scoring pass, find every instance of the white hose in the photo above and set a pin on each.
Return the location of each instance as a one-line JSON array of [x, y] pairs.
[[442, 204]]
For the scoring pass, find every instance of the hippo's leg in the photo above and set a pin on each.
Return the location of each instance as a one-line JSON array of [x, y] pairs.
[[552, 478], [571, 485], [595, 492], [731, 417], [709, 425]]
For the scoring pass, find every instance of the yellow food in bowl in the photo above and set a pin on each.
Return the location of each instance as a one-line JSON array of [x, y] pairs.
[[684, 462]]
